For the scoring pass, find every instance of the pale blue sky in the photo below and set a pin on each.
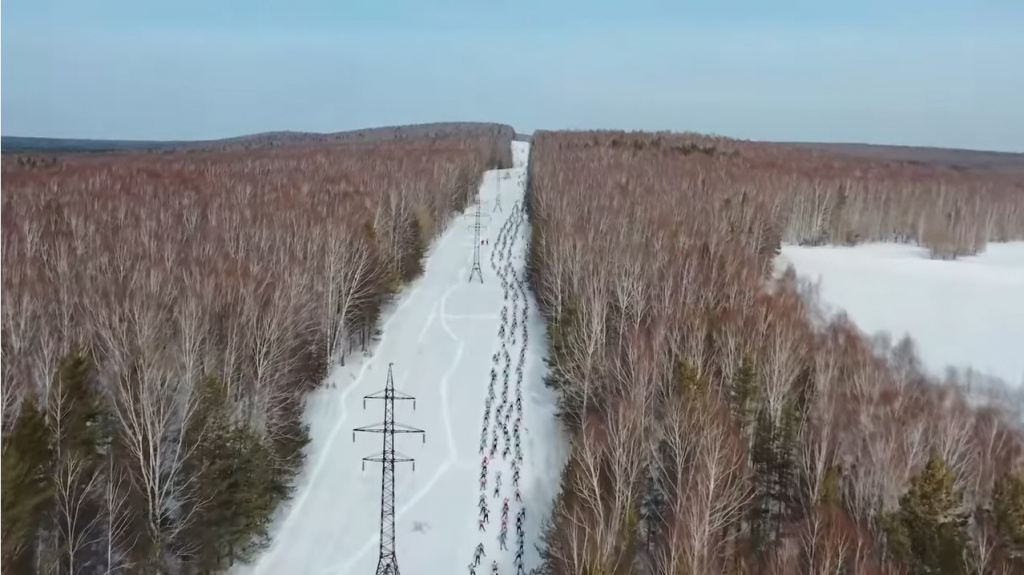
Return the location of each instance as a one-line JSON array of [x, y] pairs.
[[919, 72]]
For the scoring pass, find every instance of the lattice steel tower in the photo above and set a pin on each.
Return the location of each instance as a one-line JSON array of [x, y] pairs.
[[477, 227], [497, 196], [388, 562]]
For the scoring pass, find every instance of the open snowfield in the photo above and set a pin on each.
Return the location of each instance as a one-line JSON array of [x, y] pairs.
[[967, 312], [445, 335]]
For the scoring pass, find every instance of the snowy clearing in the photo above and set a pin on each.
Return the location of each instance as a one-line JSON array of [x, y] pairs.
[[445, 335], [963, 313]]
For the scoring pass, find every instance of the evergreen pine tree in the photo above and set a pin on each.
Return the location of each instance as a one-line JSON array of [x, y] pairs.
[[689, 382], [1008, 511], [762, 457], [242, 484], [81, 429], [774, 466], [654, 504], [743, 393], [86, 423], [26, 485], [560, 330], [830, 486], [928, 531]]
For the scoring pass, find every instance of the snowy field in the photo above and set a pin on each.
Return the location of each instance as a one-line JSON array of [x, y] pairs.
[[473, 356], [963, 313]]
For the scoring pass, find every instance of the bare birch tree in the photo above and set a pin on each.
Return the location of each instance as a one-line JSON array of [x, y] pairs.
[[76, 484], [117, 515], [154, 409], [349, 280], [707, 471]]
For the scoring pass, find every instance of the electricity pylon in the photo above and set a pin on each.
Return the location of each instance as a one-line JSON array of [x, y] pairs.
[[477, 227], [388, 562], [497, 195]]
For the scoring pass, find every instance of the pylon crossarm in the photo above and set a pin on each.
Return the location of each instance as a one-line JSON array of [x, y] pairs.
[[375, 428], [379, 458], [403, 428], [383, 394], [400, 458]]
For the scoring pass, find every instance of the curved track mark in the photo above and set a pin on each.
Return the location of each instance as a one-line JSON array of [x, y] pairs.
[[453, 459]]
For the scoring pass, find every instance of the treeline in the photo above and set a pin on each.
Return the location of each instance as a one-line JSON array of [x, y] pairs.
[[163, 318], [818, 197], [719, 424]]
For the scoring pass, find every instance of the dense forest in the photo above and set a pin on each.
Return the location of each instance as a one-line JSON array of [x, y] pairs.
[[164, 316], [719, 422]]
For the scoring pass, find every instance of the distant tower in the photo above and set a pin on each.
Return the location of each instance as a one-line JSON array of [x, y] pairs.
[[497, 196], [388, 562], [477, 227]]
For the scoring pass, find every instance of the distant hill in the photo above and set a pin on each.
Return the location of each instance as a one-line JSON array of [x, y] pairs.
[[957, 159], [19, 144], [387, 133]]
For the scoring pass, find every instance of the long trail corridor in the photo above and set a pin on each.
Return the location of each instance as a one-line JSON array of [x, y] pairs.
[[473, 355]]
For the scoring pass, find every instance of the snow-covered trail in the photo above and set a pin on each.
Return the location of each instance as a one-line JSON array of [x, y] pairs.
[[445, 335]]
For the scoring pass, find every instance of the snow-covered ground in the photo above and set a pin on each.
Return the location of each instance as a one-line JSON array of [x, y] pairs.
[[453, 343], [963, 313]]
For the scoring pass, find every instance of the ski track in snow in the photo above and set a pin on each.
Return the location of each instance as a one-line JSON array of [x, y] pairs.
[[303, 494], [445, 336], [450, 436]]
